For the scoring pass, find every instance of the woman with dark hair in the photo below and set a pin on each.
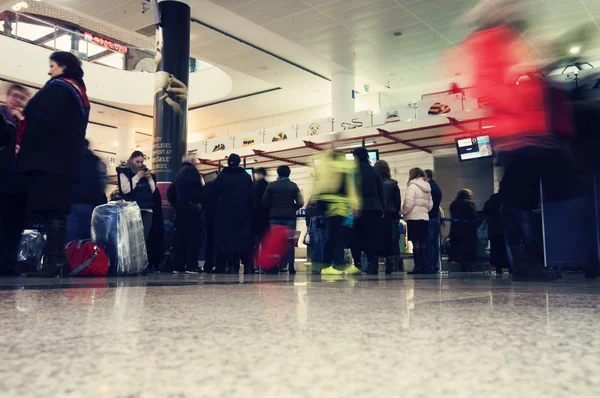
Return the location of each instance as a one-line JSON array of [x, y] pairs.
[[368, 234], [137, 184], [233, 225], [391, 218], [51, 139], [464, 231], [417, 205]]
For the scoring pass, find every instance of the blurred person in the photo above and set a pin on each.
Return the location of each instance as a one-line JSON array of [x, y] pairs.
[[12, 190], [392, 204], [188, 220], [155, 246], [51, 136], [137, 184], [88, 193], [335, 198], [463, 230], [498, 255], [260, 219], [210, 217], [525, 136], [315, 225], [417, 205], [283, 199], [434, 226], [233, 225], [367, 229]]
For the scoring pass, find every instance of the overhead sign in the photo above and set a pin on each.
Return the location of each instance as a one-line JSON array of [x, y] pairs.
[[105, 43]]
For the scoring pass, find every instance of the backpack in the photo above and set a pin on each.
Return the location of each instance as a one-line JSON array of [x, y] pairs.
[[172, 194], [86, 259]]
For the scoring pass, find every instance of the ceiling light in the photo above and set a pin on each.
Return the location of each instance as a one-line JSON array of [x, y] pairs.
[[575, 50]]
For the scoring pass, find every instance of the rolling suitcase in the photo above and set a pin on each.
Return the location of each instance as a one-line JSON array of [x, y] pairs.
[[117, 226]]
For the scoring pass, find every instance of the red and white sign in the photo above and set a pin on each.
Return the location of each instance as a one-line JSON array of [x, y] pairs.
[[105, 43]]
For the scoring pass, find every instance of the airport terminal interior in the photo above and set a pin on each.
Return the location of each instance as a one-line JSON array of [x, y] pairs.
[[300, 198]]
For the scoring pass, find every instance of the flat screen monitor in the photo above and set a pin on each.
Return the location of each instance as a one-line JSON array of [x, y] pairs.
[[250, 171], [373, 156], [474, 148]]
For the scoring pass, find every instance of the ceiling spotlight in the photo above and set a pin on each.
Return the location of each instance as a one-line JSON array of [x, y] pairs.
[[575, 50], [397, 34]]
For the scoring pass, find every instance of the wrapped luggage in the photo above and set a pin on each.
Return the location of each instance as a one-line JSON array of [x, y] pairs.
[[31, 249], [117, 226]]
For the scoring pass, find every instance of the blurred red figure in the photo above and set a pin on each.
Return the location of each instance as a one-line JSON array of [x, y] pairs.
[[274, 247]]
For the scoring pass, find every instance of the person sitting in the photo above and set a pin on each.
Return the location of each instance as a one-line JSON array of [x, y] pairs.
[[283, 198]]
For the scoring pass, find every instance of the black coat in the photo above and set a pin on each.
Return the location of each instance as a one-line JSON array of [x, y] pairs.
[[260, 220], [155, 247], [391, 197], [10, 181], [53, 139], [91, 188], [463, 209], [436, 196], [233, 189], [370, 188], [283, 199], [491, 209], [188, 187]]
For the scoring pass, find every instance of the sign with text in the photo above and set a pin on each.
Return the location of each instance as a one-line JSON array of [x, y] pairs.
[[105, 43]]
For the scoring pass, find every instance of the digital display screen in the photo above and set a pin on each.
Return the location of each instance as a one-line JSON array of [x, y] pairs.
[[210, 177], [474, 148], [250, 171], [373, 156]]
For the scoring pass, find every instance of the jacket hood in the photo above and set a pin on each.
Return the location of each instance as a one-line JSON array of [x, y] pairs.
[[422, 184]]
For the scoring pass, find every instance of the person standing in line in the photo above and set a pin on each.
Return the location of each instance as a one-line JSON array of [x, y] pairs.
[[233, 225], [464, 231], [210, 217], [283, 199], [335, 198], [434, 226], [188, 209], [367, 228], [417, 205], [137, 184], [391, 217], [260, 219], [12, 196], [51, 139], [498, 253], [88, 193]]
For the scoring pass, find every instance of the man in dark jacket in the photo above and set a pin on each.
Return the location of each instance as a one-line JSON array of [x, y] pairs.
[[392, 204], [367, 230], [233, 225], [12, 198], [88, 193], [260, 220], [188, 219], [498, 254], [283, 198], [433, 229]]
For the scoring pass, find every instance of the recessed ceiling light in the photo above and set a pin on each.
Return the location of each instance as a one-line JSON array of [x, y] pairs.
[[397, 34], [575, 49]]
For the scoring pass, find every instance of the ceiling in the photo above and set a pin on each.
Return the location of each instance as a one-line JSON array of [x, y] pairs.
[[301, 43]]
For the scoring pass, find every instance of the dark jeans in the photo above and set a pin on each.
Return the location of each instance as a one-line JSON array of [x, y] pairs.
[[433, 244], [12, 223], [525, 251], [290, 256], [189, 239], [334, 241], [79, 222], [317, 241]]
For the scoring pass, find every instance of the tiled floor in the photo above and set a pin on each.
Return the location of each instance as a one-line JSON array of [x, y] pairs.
[[258, 336]]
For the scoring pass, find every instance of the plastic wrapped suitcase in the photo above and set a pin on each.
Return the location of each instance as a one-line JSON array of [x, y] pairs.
[[31, 249], [117, 226]]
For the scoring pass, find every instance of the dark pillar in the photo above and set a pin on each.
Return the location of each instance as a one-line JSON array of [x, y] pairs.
[[170, 99], [171, 81]]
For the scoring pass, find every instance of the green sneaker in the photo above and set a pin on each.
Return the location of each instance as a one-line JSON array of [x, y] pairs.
[[331, 271], [352, 270]]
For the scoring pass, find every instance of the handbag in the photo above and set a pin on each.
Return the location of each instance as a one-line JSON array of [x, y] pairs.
[[306, 239]]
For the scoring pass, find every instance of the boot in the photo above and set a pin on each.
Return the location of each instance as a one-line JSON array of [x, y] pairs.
[[399, 263], [389, 265], [427, 268], [292, 269], [373, 266], [55, 260], [418, 260]]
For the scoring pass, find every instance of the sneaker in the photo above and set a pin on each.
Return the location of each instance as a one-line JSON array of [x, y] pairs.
[[192, 272], [176, 272], [352, 270], [331, 271]]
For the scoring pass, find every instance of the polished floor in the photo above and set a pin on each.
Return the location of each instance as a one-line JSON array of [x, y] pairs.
[[304, 336]]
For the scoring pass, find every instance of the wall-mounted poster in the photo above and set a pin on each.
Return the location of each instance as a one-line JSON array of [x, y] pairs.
[[393, 114], [360, 119], [249, 139], [218, 144], [315, 127], [441, 105], [278, 134]]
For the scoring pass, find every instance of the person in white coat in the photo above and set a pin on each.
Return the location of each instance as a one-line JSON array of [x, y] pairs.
[[417, 205]]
